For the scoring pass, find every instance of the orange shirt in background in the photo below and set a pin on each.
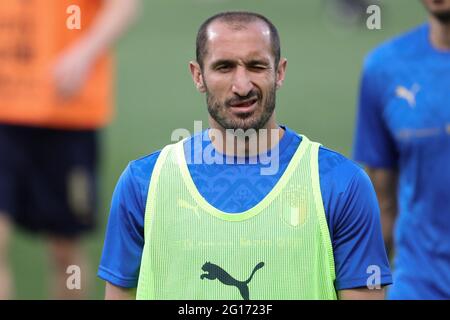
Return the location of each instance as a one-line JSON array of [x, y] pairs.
[[32, 35]]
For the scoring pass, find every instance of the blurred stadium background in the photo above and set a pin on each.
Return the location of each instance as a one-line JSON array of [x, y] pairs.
[[155, 95]]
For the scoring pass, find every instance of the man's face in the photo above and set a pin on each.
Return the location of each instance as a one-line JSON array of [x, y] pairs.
[[439, 9], [239, 76]]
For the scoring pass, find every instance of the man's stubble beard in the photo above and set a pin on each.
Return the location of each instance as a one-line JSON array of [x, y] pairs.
[[442, 17], [254, 121]]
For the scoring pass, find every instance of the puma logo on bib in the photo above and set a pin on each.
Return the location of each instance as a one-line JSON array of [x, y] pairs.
[[213, 272]]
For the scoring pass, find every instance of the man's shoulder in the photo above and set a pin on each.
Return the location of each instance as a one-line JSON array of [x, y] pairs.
[[140, 169], [337, 169], [144, 165], [145, 162], [399, 47], [331, 160]]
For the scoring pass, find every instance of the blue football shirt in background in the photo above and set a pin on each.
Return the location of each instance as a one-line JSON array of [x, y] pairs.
[[404, 124], [349, 200]]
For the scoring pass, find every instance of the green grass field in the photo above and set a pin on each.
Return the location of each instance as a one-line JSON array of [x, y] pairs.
[[155, 94]]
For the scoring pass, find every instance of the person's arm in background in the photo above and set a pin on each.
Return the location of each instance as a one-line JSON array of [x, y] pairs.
[[385, 183], [374, 145], [73, 66], [362, 294], [113, 292]]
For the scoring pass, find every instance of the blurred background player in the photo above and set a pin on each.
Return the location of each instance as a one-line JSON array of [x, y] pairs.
[[55, 93], [403, 136]]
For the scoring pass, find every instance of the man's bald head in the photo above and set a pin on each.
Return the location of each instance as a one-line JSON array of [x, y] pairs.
[[237, 20]]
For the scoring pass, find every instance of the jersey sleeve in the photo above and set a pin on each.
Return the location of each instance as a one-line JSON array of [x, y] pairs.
[[357, 238], [124, 240], [373, 143]]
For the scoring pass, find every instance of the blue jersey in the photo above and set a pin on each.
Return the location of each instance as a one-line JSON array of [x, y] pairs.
[[404, 124], [349, 200]]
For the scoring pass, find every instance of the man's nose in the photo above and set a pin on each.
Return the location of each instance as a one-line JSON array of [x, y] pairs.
[[242, 84]]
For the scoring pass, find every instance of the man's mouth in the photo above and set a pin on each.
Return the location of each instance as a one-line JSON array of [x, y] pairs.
[[244, 106]]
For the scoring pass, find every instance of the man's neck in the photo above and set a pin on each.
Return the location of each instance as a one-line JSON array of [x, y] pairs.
[[440, 34], [245, 143]]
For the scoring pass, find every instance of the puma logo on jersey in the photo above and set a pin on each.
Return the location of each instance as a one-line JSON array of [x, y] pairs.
[[408, 94], [213, 272], [186, 205]]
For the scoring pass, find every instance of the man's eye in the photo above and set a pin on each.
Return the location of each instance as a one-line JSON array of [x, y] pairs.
[[258, 67], [223, 68]]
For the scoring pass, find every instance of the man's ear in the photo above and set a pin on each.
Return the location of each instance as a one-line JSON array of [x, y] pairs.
[[197, 76], [281, 72]]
